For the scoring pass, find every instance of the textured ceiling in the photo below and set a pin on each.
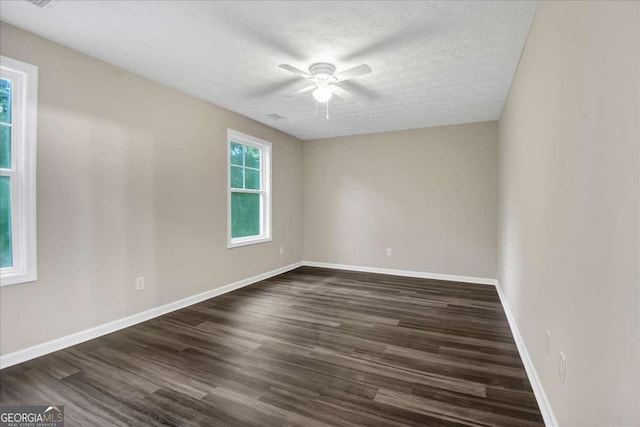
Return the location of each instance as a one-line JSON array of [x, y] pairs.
[[434, 62]]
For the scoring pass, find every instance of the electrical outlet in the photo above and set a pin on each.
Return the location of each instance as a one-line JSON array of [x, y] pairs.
[[389, 252], [139, 283], [281, 250], [547, 345], [562, 368]]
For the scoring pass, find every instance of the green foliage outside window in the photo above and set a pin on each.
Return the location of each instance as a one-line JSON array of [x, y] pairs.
[[6, 250], [6, 255], [5, 147], [5, 100], [245, 214], [245, 206]]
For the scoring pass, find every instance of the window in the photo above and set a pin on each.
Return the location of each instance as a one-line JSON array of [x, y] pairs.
[[249, 201], [18, 115]]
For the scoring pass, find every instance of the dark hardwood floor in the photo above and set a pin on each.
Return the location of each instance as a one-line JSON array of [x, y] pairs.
[[310, 347]]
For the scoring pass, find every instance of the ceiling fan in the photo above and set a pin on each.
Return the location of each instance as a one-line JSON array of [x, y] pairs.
[[325, 81]]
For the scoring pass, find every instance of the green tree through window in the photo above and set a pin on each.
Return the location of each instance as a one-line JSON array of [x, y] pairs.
[[6, 244], [249, 189], [245, 206]]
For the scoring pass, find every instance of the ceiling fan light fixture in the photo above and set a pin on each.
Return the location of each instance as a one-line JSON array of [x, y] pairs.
[[322, 93], [323, 81]]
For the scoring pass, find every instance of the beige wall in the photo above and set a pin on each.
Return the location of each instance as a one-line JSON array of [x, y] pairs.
[[132, 182], [428, 194], [569, 207]]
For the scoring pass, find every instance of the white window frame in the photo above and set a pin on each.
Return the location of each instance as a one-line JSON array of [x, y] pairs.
[[24, 107], [265, 189]]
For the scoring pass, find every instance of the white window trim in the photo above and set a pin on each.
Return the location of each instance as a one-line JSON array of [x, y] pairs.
[[23, 172], [265, 177]]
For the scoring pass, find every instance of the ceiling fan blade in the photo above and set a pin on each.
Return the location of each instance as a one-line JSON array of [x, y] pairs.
[[341, 92], [360, 70], [273, 88], [294, 70], [358, 89], [391, 41], [303, 90], [243, 23]]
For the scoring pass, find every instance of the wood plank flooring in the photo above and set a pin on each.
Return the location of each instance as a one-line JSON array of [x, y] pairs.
[[311, 347]]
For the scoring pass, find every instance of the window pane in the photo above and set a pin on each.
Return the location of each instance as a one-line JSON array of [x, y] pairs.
[[252, 179], [5, 147], [236, 177], [5, 100], [236, 153], [251, 157], [6, 255], [245, 214]]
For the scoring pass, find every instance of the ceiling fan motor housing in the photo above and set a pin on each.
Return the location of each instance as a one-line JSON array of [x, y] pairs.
[[323, 71]]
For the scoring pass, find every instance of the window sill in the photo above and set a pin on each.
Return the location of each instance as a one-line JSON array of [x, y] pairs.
[[17, 278], [246, 242]]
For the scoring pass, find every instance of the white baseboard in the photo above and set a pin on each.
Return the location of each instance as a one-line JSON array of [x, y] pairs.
[[541, 397], [38, 350], [405, 273]]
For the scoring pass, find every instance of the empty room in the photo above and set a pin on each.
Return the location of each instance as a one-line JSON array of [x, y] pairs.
[[319, 213]]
